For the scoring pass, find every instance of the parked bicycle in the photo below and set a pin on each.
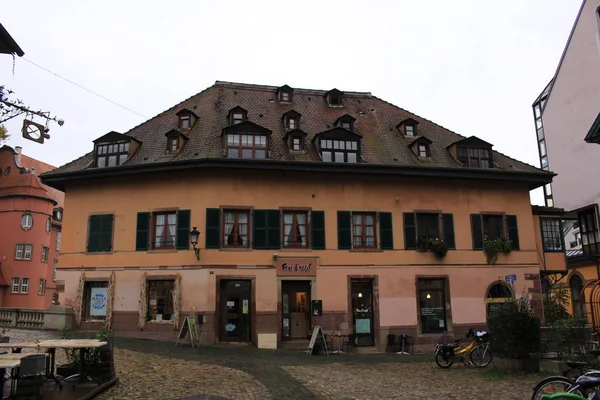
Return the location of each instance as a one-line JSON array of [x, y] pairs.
[[585, 387], [477, 351]]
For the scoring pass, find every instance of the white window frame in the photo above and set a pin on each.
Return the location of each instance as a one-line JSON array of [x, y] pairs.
[[29, 218], [45, 251], [20, 248], [55, 269], [16, 282], [24, 285], [42, 286], [58, 240], [28, 249]]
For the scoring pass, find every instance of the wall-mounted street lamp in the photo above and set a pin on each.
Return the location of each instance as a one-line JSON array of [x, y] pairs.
[[194, 234]]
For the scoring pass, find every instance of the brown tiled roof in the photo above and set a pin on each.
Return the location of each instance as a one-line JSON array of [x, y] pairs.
[[376, 121], [40, 168], [23, 185]]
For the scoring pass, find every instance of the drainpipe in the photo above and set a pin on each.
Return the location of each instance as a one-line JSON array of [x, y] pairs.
[[18, 150]]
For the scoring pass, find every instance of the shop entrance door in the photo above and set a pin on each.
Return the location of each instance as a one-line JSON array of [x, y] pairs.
[[234, 311], [362, 310], [295, 307]]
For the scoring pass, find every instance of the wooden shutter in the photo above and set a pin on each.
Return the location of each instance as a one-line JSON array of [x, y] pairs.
[[386, 232], [448, 225], [410, 231], [317, 230], [213, 228], [513, 231], [273, 229], [182, 242], [94, 233], [105, 234], [477, 231], [344, 226], [142, 237], [259, 229]]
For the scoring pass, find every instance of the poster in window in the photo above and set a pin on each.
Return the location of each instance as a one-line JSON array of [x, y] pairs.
[[98, 301], [363, 325]]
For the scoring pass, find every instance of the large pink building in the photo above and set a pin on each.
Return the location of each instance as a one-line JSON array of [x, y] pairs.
[[30, 232]]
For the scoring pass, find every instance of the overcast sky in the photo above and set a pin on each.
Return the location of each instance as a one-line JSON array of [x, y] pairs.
[[472, 66]]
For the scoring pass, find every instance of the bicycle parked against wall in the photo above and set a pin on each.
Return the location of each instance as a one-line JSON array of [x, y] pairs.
[[585, 387], [477, 352]]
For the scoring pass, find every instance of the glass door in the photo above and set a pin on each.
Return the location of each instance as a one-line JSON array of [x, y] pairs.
[[234, 320], [295, 310], [362, 310]]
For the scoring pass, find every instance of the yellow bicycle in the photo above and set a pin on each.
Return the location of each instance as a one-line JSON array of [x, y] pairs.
[[477, 351]]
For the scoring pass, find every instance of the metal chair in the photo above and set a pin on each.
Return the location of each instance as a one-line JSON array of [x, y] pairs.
[[350, 342], [31, 377]]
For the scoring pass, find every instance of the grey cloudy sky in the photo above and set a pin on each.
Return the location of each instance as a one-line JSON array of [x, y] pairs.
[[473, 66]]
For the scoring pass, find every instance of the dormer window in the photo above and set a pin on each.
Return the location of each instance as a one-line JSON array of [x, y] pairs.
[[408, 127], [246, 140], [187, 118], [175, 140], [284, 93], [421, 147], [113, 149], [334, 97], [346, 122], [339, 145], [423, 150], [296, 143], [291, 120], [237, 115], [474, 158]]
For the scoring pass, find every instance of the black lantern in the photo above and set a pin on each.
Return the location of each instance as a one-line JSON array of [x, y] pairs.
[[194, 234]]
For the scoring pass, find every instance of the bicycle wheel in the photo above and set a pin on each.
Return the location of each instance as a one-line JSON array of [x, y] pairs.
[[439, 360], [480, 356], [574, 373], [556, 384]]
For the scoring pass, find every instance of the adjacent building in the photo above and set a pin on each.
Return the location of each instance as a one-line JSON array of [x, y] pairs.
[[268, 210], [30, 235], [567, 120]]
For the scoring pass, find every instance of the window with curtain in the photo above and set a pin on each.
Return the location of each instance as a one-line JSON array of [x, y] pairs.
[[165, 230], [295, 228], [235, 228], [363, 230]]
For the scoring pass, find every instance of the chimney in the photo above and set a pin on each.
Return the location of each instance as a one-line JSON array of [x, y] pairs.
[[18, 156]]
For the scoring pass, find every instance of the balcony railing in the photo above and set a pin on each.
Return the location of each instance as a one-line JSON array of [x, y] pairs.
[[56, 317]]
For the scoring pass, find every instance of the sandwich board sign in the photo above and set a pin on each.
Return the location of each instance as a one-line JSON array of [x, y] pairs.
[[317, 334], [189, 325]]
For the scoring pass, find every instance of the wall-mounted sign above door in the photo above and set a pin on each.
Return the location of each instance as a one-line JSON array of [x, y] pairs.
[[297, 266]]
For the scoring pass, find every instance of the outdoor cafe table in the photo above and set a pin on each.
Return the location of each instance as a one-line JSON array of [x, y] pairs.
[[52, 345]]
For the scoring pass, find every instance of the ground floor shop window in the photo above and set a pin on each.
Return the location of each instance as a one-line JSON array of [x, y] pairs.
[[160, 300], [95, 299], [432, 305]]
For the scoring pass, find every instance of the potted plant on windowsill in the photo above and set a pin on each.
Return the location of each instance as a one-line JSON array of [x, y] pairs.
[[493, 247], [4, 338], [438, 247]]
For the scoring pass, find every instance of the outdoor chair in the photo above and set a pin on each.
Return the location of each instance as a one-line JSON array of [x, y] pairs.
[[404, 343], [31, 377], [350, 342]]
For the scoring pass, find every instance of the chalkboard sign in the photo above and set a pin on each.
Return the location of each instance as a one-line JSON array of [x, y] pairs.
[[317, 308], [317, 334], [188, 325]]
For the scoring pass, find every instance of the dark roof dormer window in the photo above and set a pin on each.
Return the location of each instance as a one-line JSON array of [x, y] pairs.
[[473, 152], [421, 147], [113, 149], [237, 115], [187, 118], [408, 127], [291, 120], [338, 145], [246, 140], [295, 140], [334, 97], [285, 93], [175, 141], [346, 122]]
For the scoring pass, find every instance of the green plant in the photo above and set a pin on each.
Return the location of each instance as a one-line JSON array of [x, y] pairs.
[[514, 330], [556, 301], [438, 247], [493, 247], [71, 354]]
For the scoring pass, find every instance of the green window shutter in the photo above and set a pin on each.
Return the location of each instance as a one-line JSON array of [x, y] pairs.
[[448, 225], [259, 229], [344, 226], [213, 228], [94, 233], [317, 230], [182, 242], [477, 231], [386, 232], [273, 229], [106, 230], [142, 236], [513, 231], [410, 231]]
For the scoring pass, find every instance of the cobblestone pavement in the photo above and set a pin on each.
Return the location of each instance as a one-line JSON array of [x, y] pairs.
[[159, 370]]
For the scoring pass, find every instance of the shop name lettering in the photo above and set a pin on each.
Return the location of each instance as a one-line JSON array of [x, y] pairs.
[[296, 267]]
